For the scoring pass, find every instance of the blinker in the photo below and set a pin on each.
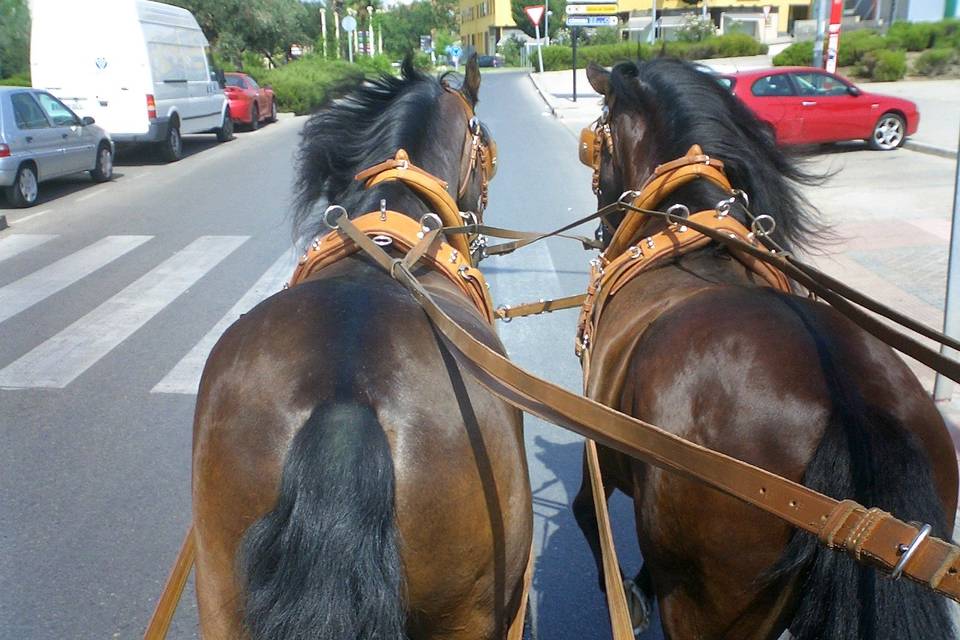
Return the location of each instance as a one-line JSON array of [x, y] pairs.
[[589, 148]]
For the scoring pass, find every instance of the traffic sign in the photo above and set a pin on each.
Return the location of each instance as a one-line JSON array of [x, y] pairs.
[[349, 23], [592, 21], [455, 51], [535, 13], [604, 9]]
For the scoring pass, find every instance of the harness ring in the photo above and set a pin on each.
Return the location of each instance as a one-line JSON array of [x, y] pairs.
[[326, 216], [757, 226]]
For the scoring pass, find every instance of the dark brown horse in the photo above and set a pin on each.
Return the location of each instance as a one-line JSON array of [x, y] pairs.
[[701, 349], [349, 480]]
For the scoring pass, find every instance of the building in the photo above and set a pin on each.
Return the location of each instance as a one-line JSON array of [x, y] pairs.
[[774, 15], [482, 23]]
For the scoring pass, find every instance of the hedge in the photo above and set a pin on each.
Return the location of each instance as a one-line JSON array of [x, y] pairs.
[[883, 65], [308, 83], [933, 62], [15, 81], [557, 57], [799, 54]]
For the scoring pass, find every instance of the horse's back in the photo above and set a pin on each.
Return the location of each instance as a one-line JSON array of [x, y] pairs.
[[356, 336]]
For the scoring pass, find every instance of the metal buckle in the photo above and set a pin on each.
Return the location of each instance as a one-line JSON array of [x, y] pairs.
[[758, 228], [502, 313], [909, 550], [740, 193], [326, 216], [632, 194]]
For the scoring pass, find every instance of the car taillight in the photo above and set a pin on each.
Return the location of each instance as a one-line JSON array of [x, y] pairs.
[[151, 107], [4, 150]]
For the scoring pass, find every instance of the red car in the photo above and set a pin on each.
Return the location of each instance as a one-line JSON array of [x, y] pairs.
[[806, 105], [249, 102]]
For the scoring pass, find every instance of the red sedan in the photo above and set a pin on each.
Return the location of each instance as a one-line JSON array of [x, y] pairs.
[[806, 105], [249, 102]]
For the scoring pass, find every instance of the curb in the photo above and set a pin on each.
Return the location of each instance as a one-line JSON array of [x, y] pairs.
[[929, 149], [544, 95]]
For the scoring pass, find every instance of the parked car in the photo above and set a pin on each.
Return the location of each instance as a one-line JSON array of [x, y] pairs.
[[249, 102], [490, 61], [41, 138], [139, 67], [806, 105]]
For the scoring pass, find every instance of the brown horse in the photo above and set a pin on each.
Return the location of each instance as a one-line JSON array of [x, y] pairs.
[[700, 348], [349, 480]]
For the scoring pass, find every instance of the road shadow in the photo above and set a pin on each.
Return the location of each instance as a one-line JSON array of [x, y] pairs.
[[569, 603], [53, 190], [138, 155]]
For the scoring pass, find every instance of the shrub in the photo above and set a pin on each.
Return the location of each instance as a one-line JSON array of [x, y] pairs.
[[555, 57], [15, 81], [856, 44], [912, 36], [737, 44], [799, 54], [883, 65], [376, 65], [933, 62], [946, 33], [695, 29], [306, 84]]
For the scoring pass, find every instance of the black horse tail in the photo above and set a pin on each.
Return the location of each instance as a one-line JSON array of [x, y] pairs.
[[325, 563], [868, 455]]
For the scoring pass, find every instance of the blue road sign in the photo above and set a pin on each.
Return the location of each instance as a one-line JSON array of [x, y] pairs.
[[456, 51], [592, 21]]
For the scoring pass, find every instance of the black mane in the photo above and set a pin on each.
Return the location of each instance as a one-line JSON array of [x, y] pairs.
[[363, 128], [687, 107]]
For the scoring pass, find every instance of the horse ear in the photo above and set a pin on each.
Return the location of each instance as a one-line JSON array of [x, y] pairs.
[[599, 78], [471, 80]]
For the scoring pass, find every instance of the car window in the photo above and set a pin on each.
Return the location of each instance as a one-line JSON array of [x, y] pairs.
[[251, 83], [726, 83], [58, 112], [775, 85], [234, 81], [819, 84], [27, 112]]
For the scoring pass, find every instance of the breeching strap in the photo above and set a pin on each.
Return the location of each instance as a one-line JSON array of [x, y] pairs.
[[172, 590], [869, 535]]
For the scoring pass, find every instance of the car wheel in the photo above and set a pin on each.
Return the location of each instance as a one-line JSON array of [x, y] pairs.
[[889, 132], [273, 111], [25, 188], [171, 149], [225, 132], [255, 118], [103, 170]]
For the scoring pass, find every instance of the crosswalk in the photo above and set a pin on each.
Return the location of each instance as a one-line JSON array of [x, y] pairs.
[[59, 360]]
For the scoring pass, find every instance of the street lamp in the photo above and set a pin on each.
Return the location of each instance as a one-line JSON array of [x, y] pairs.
[[546, 23]]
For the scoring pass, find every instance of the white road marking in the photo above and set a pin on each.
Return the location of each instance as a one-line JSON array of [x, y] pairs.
[[92, 194], [61, 359], [39, 285], [185, 377], [18, 243], [32, 216]]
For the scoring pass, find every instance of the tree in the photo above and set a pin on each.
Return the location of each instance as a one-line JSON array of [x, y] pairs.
[[404, 24], [558, 7], [14, 38]]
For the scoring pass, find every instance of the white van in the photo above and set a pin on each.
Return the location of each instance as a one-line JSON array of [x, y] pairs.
[[139, 68]]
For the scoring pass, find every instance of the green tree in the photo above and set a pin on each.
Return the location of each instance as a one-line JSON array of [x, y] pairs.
[[14, 38], [558, 7], [404, 24]]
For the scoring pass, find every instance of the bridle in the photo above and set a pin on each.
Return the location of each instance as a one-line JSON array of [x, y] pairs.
[[593, 138], [481, 154]]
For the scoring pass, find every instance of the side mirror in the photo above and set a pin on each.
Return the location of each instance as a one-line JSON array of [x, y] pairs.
[[87, 120], [217, 76], [854, 91]]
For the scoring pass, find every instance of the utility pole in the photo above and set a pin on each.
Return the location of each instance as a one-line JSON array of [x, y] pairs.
[[943, 387], [370, 28], [323, 31], [821, 31], [546, 21], [336, 29], [653, 24]]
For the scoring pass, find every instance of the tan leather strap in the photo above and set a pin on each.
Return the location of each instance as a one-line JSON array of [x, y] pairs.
[[515, 631], [507, 312], [527, 237], [172, 590], [934, 562], [428, 187], [620, 623], [404, 233]]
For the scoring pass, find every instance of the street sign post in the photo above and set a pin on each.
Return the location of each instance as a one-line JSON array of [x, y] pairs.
[[588, 14], [535, 13], [833, 39], [349, 23], [454, 51]]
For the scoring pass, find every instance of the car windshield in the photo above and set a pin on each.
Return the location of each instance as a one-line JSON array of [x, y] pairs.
[[819, 84], [234, 81]]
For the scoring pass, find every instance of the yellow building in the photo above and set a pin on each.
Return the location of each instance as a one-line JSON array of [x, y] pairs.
[[782, 13], [482, 23]]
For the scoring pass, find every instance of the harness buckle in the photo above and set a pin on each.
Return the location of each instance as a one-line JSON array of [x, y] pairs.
[[909, 550]]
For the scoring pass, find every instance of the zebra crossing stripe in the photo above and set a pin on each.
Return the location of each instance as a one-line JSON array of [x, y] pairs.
[[185, 377], [18, 243], [61, 359], [29, 290]]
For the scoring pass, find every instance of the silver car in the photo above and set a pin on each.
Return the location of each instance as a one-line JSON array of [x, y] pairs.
[[40, 138]]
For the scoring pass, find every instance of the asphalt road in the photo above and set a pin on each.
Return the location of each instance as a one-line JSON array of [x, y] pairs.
[[110, 297]]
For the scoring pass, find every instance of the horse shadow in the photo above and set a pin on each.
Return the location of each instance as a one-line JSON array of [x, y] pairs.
[[566, 601]]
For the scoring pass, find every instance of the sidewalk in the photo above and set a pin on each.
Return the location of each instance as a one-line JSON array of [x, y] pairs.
[[890, 212], [938, 101]]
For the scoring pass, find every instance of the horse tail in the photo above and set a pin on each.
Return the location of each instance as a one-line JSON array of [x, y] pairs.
[[325, 562], [870, 456]]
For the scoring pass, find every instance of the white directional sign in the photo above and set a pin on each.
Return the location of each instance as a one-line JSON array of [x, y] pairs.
[[592, 21], [349, 23], [591, 9]]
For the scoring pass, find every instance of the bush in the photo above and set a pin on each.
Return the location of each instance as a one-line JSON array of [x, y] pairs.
[[306, 84], [883, 65], [933, 62], [376, 65], [15, 81], [856, 44], [556, 57], [737, 44], [695, 29], [912, 36], [946, 33], [799, 54]]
